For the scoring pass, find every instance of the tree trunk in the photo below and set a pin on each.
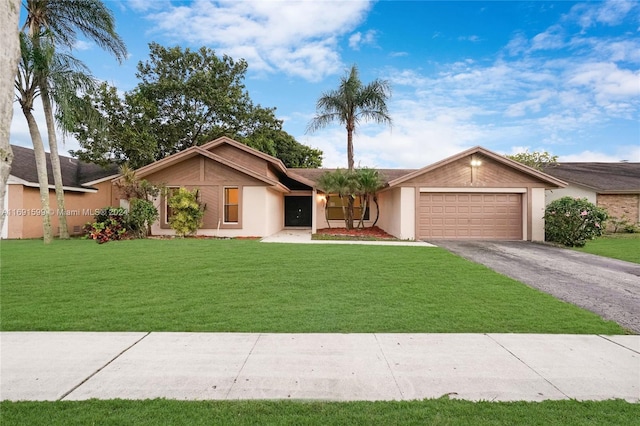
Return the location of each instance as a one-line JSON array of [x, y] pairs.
[[9, 56], [41, 166], [349, 217], [375, 200], [326, 210], [350, 149], [363, 205], [55, 159]]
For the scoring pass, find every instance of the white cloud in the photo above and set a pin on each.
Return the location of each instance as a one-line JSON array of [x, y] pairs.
[[295, 38], [610, 12], [471, 38], [623, 153], [83, 45], [552, 38], [359, 39]]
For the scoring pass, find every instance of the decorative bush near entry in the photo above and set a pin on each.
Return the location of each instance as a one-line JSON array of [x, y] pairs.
[[142, 213], [573, 221], [110, 224], [186, 212]]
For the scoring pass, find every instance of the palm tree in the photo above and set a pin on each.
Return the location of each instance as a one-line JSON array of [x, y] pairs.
[[9, 14], [59, 21], [349, 104], [369, 182], [345, 185], [27, 87]]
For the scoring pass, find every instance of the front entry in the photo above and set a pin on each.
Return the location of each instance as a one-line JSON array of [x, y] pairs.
[[297, 211]]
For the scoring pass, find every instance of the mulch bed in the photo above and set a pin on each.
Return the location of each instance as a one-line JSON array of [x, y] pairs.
[[356, 233]]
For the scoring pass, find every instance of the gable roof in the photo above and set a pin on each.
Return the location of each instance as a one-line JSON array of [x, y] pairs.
[[494, 156], [200, 150], [246, 148], [76, 174], [601, 177]]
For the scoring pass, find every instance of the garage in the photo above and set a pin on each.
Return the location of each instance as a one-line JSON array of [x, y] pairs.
[[491, 216]]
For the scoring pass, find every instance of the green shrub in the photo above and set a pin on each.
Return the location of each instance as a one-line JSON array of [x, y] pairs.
[[573, 221], [142, 213], [186, 212], [110, 224]]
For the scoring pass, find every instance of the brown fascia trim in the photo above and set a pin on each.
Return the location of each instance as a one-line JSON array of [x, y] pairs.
[[478, 149], [224, 139]]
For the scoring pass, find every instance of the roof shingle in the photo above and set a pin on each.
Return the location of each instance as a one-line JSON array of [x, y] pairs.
[[602, 177], [75, 173]]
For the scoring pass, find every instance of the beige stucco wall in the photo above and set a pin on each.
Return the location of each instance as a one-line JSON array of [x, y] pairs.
[[574, 191], [398, 212], [262, 215], [24, 217], [537, 214]]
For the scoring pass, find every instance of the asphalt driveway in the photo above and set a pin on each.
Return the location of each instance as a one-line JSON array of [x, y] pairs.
[[608, 287]]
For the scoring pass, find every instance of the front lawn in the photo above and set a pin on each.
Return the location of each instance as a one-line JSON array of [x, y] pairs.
[[427, 412], [618, 246], [248, 286]]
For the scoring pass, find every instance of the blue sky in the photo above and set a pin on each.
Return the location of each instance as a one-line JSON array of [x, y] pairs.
[[557, 76]]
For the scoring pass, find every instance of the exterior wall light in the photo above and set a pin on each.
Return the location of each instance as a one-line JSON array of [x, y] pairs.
[[476, 163]]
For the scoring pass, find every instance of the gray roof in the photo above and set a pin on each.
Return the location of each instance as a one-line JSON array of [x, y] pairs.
[[603, 177], [387, 174], [75, 173]]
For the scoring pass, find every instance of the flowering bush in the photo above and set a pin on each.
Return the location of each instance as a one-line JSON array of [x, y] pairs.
[[573, 221]]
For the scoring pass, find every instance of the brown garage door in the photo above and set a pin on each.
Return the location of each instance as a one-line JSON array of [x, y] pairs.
[[470, 215]]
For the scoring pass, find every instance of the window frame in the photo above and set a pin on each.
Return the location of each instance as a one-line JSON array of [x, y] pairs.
[[165, 212], [225, 204]]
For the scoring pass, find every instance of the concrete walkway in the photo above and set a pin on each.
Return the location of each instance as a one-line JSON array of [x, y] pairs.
[[303, 236], [202, 366]]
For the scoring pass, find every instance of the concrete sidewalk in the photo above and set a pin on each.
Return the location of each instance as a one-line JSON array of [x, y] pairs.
[[199, 366], [303, 236]]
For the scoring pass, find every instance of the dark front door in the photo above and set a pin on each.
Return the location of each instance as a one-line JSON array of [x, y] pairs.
[[297, 211]]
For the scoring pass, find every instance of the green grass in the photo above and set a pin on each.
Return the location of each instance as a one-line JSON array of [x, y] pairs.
[[617, 246], [248, 286], [431, 412]]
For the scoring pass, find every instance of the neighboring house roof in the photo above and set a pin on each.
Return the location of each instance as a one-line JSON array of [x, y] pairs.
[[602, 177], [76, 174]]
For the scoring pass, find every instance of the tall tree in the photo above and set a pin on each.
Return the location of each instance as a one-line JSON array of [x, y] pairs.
[[60, 21], [350, 103], [27, 88], [184, 98], [9, 57]]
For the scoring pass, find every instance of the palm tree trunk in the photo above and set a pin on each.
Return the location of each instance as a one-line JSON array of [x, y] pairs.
[[375, 200], [55, 159], [349, 218], [326, 211], [9, 13], [363, 205], [344, 212], [41, 166], [350, 149]]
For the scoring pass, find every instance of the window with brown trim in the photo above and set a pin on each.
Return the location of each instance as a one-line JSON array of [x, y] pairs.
[[167, 210], [231, 204], [335, 212]]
